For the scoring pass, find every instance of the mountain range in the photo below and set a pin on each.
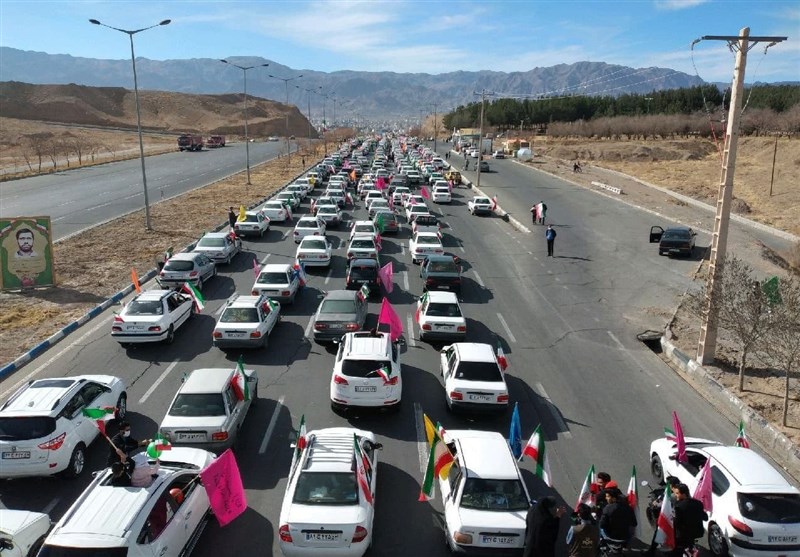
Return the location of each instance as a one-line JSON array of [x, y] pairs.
[[367, 95]]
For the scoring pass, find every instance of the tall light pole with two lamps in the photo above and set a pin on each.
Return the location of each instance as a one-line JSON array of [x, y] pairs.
[[130, 34], [286, 81], [309, 91], [246, 136]]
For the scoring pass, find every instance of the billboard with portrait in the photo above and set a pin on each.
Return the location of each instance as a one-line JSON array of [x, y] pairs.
[[26, 253]]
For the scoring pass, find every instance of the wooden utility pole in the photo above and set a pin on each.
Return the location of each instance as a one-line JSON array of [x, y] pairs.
[[719, 240]]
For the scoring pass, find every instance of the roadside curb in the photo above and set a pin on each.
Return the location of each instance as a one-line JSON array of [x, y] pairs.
[[499, 210], [54, 339], [779, 447]]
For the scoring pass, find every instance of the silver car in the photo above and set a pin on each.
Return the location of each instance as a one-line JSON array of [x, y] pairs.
[[220, 247], [195, 268]]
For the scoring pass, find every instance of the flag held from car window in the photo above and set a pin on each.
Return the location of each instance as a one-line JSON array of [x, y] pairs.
[[741, 438], [389, 317], [385, 276], [191, 290], [676, 434], [239, 382], [223, 484], [515, 433], [101, 416]]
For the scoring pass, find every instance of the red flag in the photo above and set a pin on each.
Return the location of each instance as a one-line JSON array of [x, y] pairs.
[[501, 358], [348, 199], [313, 206], [494, 203], [389, 317], [385, 276], [703, 490], [381, 183], [424, 192], [665, 532], [224, 488], [378, 241], [633, 499]]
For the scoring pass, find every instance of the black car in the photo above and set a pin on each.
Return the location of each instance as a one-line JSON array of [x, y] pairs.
[[360, 272], [673, 241], [441, 272]]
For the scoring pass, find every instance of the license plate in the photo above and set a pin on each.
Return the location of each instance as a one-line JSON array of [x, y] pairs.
[[499, 540], [191, 436], [235, 335], [17, 455], [481, 398], [366, 389], [322, 537], [444, 327], [136, 327], [782, 539]]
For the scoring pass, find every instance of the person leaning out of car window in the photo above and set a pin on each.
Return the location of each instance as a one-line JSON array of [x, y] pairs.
[[123, 444]]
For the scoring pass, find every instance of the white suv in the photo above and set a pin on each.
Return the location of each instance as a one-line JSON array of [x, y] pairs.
[[473, 381], [484, 497], [367, 372], [43, 430]]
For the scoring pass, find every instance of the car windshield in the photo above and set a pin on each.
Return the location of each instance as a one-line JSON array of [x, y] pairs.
[[427, 240], [211, 243], [363, 368], [379, 203], [198, 404], [365, 228], [494, 495], [479, 371], [447, 266], [362, 244], [251, 218], [677, 234], [26, 427], [338, 306], [314, 244], [239, 315], [272, 278], [771, 508], [443, 310], [59, 551], [306, 223], [326, 488], [285, 195], [363, 272], [482, 200], [141, 307], [327, 210], [173, 265], [273, 205]]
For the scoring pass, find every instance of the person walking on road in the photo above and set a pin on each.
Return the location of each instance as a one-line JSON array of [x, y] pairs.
[[541, 209], [466, 162], [535, 213], [232, 218], [542, 526], [550, 236], [688, 518]]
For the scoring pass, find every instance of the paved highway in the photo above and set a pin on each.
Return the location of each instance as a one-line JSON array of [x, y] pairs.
[[81, 198], [567, 325]]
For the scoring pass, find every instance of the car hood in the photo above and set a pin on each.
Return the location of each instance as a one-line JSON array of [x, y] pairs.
[[324, 515], [14, 522], [501, 521], [194, 422]]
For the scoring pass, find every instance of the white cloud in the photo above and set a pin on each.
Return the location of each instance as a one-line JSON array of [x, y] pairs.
[[678, 4]]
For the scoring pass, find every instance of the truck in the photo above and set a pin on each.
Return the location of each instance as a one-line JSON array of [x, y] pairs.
[[189, 142], [215, 141]]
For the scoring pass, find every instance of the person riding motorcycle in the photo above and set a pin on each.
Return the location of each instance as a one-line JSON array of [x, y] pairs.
[[618, 521]]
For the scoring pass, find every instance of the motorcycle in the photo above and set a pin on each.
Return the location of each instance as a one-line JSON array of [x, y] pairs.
[[654, 500], [610, 547]]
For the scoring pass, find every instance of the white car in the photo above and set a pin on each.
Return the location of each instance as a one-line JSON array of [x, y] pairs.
[[299, 190], [44, 430], [22, 532], [289, 198], [152, 316], [756, 511], [137, 521], [255, 223], [441, 194], [207, 412], [377, 206], [219, 247], [440, 317], [329, 214], [473, 381], [484, 497], [366, 373], [308, 226], [423, 244], [372, 196], [413, 211], [362, 247], [324, 510], [400, 195], [194, 268], [314, 251], [498, 155], [364, 228], [246, 322], [278, 281], [480, 205], [277, 211], [413, 200], [306, 182]]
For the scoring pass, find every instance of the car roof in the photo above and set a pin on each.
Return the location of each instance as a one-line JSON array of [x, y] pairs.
[[331, 449], [276, 268], [387, 214], [215, 234], [363, 237], [475, 351], [186, 256], [207, 380], [340, 295], [439, 296], [43, 399], [367, 222], [747, 466], [363, 262], [366, 345], [485, 454], [153, 295], [308, 219], [244, 301], [424, 234]]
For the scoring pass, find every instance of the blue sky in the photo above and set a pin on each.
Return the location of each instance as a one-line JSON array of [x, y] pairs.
[[419, 36]]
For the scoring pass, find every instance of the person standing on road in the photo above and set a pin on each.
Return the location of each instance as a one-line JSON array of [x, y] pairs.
[[535, 213], [541, 208], [688, 518], [550, 236], [541, 528], [583, 538], [232, 218]]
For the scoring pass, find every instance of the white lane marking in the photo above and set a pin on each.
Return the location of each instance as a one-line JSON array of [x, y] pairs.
[[558, 279], [616, 340], [422, 439], [51, 505], [285, 234], [18, 384], [531, 253], [535, 257], [506, 327], [271, 426], [328, 276], [562, 425], [410, 331], [565, 287], [158, 381], [479, 280], [308, 328], [402, 249], [462, 249], [405, 281], [265, 258]]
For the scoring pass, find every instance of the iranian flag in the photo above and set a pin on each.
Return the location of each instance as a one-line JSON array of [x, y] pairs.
[[741, 438], [191, 290], [665, 532], [585, 495], [501, 358], [362, 464], [633, 499], [302, 437], [421, 303], [385, 373], [101, 416], [536, 450], [363, 292], [239, 382], [439, 461]]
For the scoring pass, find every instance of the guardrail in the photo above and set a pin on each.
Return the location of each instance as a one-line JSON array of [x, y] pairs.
[[612, 189]]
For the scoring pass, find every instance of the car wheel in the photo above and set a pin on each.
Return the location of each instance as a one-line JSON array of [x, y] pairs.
[[199, 284], [660, 252], [37, 545], [122, 407], [717, 542], [170, 335], [77, 462], [656, 468]]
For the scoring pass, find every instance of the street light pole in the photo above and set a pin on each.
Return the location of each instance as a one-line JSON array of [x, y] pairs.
[[147, 224], [246, 135], [286, 81]]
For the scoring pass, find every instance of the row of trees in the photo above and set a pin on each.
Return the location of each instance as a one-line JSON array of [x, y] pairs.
[[763, 317], [40, 148], [512, 113]]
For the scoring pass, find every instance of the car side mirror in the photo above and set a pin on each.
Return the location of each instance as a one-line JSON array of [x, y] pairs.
[[6, 543], [378, 446]]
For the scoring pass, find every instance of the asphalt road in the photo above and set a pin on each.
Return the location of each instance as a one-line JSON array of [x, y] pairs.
[[567, 325], [81, 198]]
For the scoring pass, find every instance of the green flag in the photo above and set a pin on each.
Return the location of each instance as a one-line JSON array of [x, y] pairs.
[[379, 222], [771, 290]]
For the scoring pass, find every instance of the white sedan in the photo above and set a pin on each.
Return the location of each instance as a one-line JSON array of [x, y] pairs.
[[413, 211], [480, 205], [413, 200], [440, 317], [255, 223], [364, 228], [308, 226], [219, 247], [314, 251], [362, 247], [424, 244], [441, 194], [22, 532], [152, 316], [277, 211], [330, 215]]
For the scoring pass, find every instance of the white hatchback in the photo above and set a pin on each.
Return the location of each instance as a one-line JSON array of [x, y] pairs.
[[277, 211], [366, 373], [314, 251]]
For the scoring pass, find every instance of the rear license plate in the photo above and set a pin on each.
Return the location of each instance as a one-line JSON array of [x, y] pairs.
[[136, 327], [782, 539], [366, 389], [444, 327], [322, 537], [501, 540], [480, 398], [235, 335], [191, 437], [16, 455]]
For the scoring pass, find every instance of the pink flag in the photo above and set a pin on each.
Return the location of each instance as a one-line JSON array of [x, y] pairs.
[[494, 203], [389, 317], [680, 441], [378, 241], [703, 490], [412, 201], [223, 485], [313, 206], [385, 276], [256, 267], [424, 192], [381, 183]]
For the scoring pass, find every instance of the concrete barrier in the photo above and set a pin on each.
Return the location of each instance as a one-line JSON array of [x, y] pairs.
[[612, 189]]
